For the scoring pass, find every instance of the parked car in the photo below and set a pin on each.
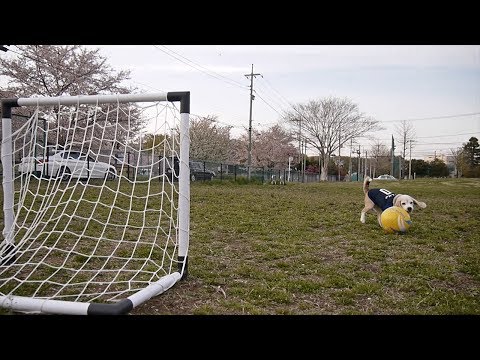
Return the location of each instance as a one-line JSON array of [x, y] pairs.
[[170, 166], [67, 164], [385, 177], [31, 165], [199, 172]]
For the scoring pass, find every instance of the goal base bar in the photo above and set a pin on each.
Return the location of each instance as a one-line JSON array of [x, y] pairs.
[[44, 306]]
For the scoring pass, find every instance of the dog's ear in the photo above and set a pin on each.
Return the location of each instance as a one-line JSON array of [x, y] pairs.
[[396, 200], [420, 204]]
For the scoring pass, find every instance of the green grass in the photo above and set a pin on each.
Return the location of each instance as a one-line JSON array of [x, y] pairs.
[[301, 249]]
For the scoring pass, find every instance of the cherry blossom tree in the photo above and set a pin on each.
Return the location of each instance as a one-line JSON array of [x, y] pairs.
[[271, 148], [209, 140], [57, 70]]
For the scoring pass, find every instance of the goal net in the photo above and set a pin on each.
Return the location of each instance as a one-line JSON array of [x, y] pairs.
[[95, 220]]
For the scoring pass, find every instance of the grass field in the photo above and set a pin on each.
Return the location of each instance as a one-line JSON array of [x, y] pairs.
[[301, 249]]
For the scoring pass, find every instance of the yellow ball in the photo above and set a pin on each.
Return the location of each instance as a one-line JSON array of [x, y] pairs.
[[395, 220]]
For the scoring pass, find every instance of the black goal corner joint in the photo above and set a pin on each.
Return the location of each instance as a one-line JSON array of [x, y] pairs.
[[183, 97], [123, 307], [7, 105]]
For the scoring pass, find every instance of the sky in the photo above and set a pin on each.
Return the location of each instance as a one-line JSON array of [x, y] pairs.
[[435, 87]]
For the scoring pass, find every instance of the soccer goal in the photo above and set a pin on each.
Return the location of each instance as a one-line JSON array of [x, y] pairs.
[[92, 222]]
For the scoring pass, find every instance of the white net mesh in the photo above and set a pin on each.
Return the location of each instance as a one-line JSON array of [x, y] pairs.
[[95, 202]]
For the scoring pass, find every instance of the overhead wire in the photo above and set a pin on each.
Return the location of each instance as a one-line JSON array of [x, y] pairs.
[[264, 94], [198, 67]]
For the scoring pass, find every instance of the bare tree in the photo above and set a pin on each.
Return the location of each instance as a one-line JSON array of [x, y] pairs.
[[209, 140], [326, 124], [56, 70], [406, 134], [457, 155], [380, 153]]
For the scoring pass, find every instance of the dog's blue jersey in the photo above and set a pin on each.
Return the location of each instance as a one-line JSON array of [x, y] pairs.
[[381, 197]]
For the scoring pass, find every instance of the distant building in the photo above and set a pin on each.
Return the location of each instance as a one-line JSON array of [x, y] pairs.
[[449, 160], [430, 158]]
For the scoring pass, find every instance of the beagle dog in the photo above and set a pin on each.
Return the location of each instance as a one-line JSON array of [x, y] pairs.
[[273, 180], [377, 200]]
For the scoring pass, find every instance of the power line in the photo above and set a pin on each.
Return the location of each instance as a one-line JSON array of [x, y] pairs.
[[262, 97], [435, 117], [429, 137], [437, 143], [284, 99], [267, 92], [280, 95], [290, 104], [268, 104], [199, 67]]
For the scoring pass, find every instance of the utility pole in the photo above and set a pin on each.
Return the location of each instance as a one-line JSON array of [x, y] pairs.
[[393, 156], [301, 145], [358, 164], [404, 157], [339, 158], [304, 155], [366, 157], [319, 165], [350, 162], [376, 161], [252, 97], [410, 163]]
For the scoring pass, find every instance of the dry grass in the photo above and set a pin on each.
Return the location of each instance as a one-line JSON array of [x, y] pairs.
[[301, 249]]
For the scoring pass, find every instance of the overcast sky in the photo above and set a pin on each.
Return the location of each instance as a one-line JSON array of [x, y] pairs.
[[437, 87]]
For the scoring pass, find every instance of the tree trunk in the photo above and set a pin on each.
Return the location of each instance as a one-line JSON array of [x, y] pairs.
[[324, 172]]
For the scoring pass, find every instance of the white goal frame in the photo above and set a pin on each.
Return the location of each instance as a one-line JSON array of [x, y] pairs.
[[8, 245]]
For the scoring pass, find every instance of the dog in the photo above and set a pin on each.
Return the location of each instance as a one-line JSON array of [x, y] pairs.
[[273, 180], [377, 200]]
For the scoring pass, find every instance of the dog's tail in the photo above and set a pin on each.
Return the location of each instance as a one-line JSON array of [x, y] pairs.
[[366, 184]]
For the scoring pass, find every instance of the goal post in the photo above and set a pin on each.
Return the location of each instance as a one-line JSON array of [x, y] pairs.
[[92, 223]]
